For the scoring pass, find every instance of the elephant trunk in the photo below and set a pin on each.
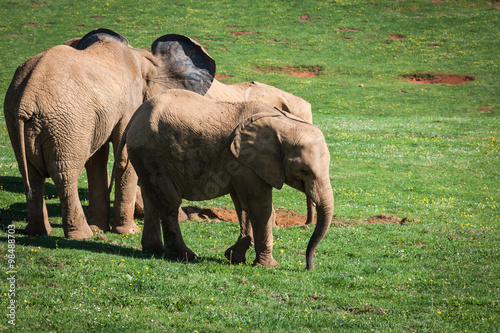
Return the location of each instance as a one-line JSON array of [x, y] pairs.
[[324, 209]]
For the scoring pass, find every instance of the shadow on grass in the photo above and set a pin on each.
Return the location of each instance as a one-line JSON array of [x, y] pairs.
[[56, 243], [17, 211]]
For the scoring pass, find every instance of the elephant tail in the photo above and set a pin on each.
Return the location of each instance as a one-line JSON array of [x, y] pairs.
[[24, 162]]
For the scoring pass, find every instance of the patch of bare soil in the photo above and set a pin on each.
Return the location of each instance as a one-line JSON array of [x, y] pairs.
[[305, 18], [397, 37], [432, 78], [308, 71], [284, 218], [239, 32]]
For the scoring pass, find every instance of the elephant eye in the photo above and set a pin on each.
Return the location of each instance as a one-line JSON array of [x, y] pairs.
[[304, 172]]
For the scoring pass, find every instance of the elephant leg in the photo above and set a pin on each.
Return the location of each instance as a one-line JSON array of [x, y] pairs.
[[38, 219], [125, 193], [175, 248], [237, 253], [151, 235], [139, 204], [256, 197], [97, 175], [74, 223], [262, 217]]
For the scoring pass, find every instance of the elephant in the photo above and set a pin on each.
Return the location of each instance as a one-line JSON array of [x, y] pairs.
[[256, 91], [186, 146], [65, 105]]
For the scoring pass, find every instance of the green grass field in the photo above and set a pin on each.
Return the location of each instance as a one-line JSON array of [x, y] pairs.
[[425, 152]]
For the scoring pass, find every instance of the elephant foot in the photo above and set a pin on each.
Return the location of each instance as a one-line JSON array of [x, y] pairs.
[[99, 227], [155, 249], [234, 256], [79, 233], [130, 228], [265, 262], [38, 229], [185, 255]]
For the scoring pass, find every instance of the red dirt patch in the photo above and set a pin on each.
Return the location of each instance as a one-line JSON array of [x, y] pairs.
[[383, 219], [431, 78], [285, 218], [308, 71], [305, 18], [397, 37], [239, 32], [222, 76]]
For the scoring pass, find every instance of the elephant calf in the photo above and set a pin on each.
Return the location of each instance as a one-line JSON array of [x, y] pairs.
[[185, 146]]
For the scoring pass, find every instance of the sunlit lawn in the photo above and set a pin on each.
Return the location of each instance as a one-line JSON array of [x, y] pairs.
[[425, 155]]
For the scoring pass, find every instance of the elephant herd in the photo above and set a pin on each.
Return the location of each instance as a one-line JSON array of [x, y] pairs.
[[175, 130]]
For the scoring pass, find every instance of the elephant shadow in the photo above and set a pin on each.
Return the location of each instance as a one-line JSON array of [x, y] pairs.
[[51, 242], [17, 211]]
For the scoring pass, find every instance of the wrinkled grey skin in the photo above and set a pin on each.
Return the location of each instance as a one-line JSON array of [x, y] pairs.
[[185, 146], [65, 105]]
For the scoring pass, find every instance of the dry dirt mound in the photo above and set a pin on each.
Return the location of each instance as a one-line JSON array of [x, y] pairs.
[[436, 78], [284, 218]]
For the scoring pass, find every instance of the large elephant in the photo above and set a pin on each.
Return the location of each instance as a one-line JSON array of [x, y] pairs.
[[256, 91], [185, 146], [65, 105]]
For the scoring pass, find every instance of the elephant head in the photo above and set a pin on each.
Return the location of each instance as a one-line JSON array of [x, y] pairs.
[[292, 152]]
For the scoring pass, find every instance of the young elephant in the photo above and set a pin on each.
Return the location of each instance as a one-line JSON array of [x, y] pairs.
[[65, 105], [185, 146], [255, 91]]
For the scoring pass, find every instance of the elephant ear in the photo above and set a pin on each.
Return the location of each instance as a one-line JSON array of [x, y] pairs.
[[73, 42], [100, 35], [257, 145], [186, 61]]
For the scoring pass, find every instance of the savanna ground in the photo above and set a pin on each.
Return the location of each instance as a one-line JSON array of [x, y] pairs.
[[414, 167]]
